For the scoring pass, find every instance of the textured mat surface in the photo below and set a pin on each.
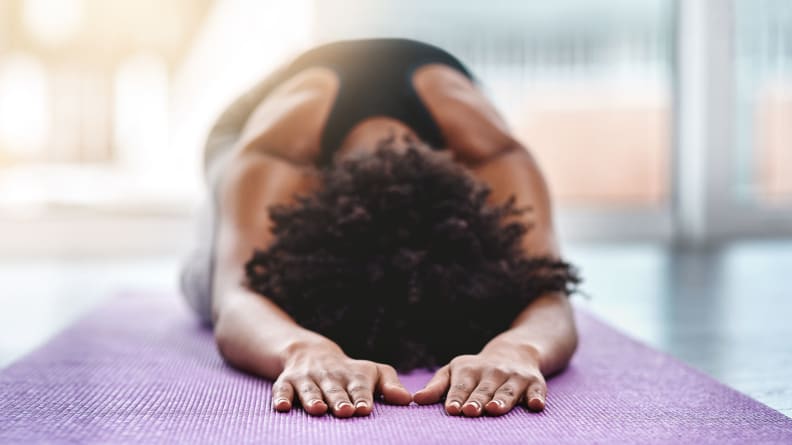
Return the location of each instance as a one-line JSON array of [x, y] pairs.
[[139, 370]]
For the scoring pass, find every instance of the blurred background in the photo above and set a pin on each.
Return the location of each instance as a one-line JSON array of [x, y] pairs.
[[664, 128], [654, 119]]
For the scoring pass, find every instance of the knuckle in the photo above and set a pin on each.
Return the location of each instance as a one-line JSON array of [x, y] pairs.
[[507, 390], [359, 376], [334, 389], [465, 369], [281, 387], [498, 373], [338, 374], [287, 376], [528, 377], [460, 386], [302, 375], [484, 388], [357, 388], [325, 374], [537, 380], [308, 389]]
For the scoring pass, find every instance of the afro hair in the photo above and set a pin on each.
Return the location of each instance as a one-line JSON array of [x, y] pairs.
[[398, 258]]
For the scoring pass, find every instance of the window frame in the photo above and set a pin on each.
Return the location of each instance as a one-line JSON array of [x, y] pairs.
[[706, 211]]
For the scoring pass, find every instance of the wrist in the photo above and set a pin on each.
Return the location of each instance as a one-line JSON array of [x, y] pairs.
[[310, 344], [527, 352]]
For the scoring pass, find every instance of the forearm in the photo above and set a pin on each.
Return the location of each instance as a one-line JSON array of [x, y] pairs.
[[252, 332], [255, 335], [546, 330]]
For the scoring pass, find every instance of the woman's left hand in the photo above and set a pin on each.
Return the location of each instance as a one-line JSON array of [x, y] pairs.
[[492, 382]]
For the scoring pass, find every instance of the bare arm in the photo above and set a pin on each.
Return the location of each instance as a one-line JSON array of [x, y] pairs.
[[253, 333], [252, 182], [547, 324], [542, 338]]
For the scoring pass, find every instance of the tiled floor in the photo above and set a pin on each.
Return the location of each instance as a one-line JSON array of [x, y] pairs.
[[725, 311]]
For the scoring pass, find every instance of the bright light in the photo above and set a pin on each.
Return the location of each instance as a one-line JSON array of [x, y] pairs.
[[24, 105], [52, 22], [240, 42], [141, 111]]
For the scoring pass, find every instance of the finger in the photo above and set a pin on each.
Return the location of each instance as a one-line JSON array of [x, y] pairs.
[[310, 397], [485, 390], [361, 392], [507, 395], [390, 387], [282, 395], [434, 388], [536, 395], [463, 381], [337, 398]]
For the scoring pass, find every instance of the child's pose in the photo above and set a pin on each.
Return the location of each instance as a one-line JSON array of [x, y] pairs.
[[369, 211]]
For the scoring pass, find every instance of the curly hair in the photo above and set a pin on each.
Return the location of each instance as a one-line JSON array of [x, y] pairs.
[[398, 258]]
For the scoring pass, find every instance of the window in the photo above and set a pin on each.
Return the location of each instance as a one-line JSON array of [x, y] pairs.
[[763, 102], [85, 103], [734, 119], [591, 97], [651, 118], [24, 107]]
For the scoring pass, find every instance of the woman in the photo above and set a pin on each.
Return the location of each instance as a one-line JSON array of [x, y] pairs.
[[370, 210]]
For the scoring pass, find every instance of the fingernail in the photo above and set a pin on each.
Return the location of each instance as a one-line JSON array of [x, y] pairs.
[[280, 400], [315, 402], [498, 402], [343, 404], [455, 404], [476, 406], [361, 404]]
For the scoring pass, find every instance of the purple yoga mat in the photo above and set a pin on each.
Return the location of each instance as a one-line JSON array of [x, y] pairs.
[[140, 370]]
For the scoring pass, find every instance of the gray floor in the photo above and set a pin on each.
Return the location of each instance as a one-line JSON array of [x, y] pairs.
[[725, 311]]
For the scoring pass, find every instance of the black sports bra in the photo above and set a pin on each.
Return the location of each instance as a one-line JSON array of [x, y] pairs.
[[375, 79]]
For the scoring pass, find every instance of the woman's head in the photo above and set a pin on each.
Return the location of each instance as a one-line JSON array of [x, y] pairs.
[[398, 258]]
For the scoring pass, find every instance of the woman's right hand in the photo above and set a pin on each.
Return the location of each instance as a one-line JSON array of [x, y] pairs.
[[323, 378]]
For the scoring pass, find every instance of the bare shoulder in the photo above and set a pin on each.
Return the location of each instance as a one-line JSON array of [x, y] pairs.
[[471, 126], [289, 121], [255, 177]]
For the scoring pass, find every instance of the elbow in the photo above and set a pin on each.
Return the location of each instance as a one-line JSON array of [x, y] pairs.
[[224, 339], [227, 314], [572, 339]]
